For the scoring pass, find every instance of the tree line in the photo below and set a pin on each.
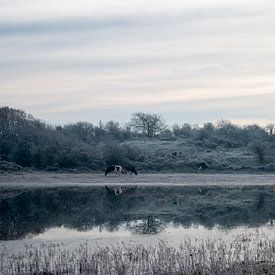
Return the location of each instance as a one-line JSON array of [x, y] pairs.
[[30, 142]]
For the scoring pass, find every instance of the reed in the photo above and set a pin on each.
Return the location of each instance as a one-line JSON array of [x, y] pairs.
[[200, 256]]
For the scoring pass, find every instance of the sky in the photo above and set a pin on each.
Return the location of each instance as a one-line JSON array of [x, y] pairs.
[[190, 61]]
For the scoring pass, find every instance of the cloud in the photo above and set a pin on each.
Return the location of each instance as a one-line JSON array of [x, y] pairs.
[[243, 109], [111, 58], [16, 10]]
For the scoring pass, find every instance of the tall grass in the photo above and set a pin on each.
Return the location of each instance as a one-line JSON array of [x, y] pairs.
[[202, 256]]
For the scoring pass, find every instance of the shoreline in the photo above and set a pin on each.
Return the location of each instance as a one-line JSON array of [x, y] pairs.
[[55, 179]]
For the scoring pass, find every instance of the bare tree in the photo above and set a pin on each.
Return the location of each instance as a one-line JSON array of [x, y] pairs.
[[260, 148], [148, 124]]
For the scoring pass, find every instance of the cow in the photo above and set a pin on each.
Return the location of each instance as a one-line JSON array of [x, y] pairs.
[[129, 169], [201, 166], [117, 169], [174, 154]]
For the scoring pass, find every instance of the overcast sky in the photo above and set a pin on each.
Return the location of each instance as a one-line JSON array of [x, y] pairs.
[[191, 61]]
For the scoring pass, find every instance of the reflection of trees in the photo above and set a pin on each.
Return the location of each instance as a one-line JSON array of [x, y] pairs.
[[150, 225], [32, 211]]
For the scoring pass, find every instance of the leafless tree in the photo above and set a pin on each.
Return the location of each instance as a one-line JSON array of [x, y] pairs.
[[148, 124]]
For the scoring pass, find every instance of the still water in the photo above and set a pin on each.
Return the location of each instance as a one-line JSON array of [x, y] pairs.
[[105, 216]]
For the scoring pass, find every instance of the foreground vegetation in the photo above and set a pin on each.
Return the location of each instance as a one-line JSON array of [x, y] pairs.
[[190, 257], [145, 142]]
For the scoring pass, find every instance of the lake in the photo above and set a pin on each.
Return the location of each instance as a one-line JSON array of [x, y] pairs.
[[127, 213]]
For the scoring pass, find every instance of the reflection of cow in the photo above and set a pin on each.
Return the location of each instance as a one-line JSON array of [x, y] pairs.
[[119, 190], [129, 169], [113, 198], [201, 166], [114, 168], [115, 191]]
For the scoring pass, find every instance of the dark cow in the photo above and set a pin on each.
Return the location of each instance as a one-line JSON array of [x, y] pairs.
[[174, 154], [114, 168], [201, 166], [129, 169]]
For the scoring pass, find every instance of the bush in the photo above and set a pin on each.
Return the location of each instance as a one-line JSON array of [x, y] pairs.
[[9, 166]]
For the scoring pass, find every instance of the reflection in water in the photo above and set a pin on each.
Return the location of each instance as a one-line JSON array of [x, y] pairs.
[[143, 210], [150, 225]]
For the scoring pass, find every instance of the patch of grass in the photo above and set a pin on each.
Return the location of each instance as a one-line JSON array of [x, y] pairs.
[[157, 156]]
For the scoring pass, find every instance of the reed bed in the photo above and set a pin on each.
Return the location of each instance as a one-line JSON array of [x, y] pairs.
[[201, 256]]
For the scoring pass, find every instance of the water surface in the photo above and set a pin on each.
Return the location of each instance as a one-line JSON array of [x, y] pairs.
[[107, 215]]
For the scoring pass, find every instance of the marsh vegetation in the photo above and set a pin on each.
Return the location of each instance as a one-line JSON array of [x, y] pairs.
[[190, 257]]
